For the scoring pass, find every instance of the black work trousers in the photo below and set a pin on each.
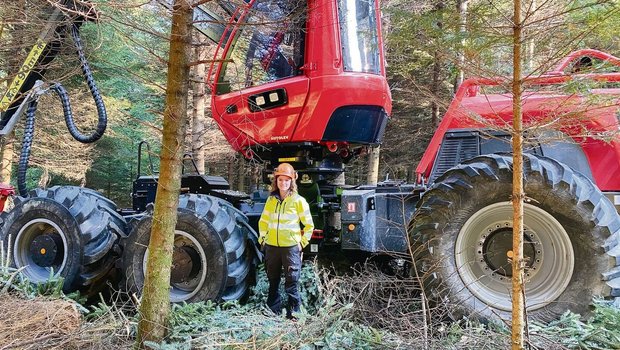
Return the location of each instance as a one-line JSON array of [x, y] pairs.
[[289, 259]]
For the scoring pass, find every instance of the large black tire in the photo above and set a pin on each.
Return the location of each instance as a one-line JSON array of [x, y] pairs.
[[463, 227], [70, 230], [210, 238], [248, 265], [110, 207]]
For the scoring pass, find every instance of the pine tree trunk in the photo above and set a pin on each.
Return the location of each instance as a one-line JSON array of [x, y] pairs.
[[240, 173], [198, 120], [434, 91], [518, 293], [462, 9], [373, 166], [436, 75], [45, 179], [8, 145], [155, 305], [230, 173], [531, 43]]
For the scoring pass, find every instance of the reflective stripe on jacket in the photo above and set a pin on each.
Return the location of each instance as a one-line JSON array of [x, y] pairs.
[[279, 223]]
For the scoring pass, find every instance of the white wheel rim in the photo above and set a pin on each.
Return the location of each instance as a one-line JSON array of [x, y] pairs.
[[21, 249], [549, 267]]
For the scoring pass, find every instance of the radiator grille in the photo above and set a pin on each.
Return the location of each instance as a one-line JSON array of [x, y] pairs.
[[453, 151]]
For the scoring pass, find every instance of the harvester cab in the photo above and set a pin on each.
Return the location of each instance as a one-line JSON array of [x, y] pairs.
[[301, 80]]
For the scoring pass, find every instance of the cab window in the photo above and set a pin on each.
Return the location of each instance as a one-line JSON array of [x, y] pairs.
[[359, 36], [268, 47]]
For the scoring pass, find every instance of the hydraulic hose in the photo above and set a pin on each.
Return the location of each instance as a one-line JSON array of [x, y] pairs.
[[26, 144], [60, 91], [102, 121]]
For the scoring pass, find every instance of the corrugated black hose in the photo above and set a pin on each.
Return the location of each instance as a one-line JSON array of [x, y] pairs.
[[66, 107], [103, 117], [26, 143]]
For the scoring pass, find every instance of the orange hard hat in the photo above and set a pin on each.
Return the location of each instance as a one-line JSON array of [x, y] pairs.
[[285, 169]]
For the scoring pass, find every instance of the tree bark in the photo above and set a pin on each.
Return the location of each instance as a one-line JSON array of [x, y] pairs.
[[230, 173], [240, 173], [462, 9], [518, 293], [8, 145], [198, 120], [436, 75], [531, 43], [13, 64], [155, 305], [44, 180], [373, 166]]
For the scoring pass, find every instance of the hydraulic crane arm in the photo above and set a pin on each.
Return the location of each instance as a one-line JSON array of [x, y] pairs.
[[27, 86], [44, 50]]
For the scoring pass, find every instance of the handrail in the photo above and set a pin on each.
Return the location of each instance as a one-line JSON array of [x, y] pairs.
[[228, 36], [470, 88], [573, 56], [148, 148]]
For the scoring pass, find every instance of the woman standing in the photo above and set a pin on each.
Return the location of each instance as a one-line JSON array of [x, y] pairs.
[[282, 238]]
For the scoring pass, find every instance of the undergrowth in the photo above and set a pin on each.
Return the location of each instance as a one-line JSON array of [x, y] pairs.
[[322, 324], [363, 310], [14, 281], [347, 312], [601, 331]]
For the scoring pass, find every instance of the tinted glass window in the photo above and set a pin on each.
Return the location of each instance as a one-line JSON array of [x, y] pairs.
[[269, 46], [358, 32]]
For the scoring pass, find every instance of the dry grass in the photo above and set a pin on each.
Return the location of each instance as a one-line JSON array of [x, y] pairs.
[[43, 323], [25, 323]]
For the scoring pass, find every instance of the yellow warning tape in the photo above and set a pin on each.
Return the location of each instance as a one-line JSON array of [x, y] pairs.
[[19, 80]]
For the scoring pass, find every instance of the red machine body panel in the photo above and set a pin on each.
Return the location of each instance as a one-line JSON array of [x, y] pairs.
[[246, 127], [590, 119], [6, 191], [327, 93], [322, 86]]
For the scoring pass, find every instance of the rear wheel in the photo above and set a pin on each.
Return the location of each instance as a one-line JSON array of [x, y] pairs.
[[65, 232], [464, 226], [210, 261]]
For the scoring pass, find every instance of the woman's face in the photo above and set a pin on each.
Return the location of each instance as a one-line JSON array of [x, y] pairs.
[[284, 183]]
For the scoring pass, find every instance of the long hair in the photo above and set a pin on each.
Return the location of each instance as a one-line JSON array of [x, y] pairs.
[[274, 185]]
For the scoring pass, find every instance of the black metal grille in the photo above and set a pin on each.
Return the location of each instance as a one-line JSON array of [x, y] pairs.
[[454, 150]]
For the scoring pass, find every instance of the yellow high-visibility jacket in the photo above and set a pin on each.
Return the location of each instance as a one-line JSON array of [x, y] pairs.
[[279, 223]]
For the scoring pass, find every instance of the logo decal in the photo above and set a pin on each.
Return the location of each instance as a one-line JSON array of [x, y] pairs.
[[279, 138]]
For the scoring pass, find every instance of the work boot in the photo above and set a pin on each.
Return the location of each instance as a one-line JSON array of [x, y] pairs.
[[294, 313]]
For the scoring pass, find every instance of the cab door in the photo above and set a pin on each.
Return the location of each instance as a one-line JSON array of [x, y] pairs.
[[261, 89]]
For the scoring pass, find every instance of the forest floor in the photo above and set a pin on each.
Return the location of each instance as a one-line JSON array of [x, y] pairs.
[[364, 309]]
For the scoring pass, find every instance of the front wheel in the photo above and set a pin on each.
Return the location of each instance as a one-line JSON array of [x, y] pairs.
[[463, 225], [64, 231]]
